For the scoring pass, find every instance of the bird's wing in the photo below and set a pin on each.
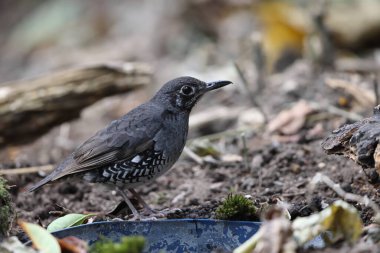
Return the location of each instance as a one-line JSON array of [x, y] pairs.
[[122, 139]]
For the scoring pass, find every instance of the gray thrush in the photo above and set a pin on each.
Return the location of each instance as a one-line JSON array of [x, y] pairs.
[[141, 145]]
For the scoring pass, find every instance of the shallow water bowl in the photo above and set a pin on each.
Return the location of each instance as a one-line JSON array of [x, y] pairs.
[[179, 235]]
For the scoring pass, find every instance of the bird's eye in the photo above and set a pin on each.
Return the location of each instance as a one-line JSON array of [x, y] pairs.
[[187, 90]]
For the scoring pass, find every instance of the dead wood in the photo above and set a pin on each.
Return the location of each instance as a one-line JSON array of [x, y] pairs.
[[27, 170], [358, 141], [29, 108]]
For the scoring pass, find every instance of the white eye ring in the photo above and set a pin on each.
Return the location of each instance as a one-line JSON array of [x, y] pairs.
[[187, 90]]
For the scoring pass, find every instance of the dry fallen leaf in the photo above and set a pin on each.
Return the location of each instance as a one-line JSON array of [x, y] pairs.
[[290, 121], [231, 158], [280, 235], [342, 219], [72, 244], [274, 236]]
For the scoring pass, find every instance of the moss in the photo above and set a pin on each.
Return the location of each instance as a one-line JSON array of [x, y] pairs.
[[236, 207], [128, 244], [6, 210]]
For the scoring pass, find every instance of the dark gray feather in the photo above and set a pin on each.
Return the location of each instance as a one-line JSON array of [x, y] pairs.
[[121, 140]]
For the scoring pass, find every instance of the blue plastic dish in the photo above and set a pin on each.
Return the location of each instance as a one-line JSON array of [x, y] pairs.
[[179, 235]]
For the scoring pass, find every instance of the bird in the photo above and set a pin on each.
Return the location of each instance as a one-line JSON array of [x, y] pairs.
[[140, 146]]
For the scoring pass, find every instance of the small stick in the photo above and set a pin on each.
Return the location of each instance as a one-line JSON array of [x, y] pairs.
[[220, 135], [260, 61], [245, 150], [327, 57], [193, 156], [335, 110], [251, 97], [293, 194], [27, 170], [319, 177], [376, 89]]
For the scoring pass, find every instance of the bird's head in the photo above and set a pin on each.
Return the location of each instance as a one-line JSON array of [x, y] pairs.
[[182, 93]]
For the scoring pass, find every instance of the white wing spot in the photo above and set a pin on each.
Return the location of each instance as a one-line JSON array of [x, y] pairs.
[[136, 159]]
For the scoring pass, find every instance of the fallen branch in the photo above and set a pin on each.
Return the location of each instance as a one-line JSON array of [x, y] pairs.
[[319, 177], [29, 108], [336, 111], [27, 170], [250, 95]]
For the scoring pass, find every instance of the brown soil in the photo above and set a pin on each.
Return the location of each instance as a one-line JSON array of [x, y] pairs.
[[274, 171]]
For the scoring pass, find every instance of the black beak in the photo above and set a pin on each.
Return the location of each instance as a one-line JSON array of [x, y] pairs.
[[216, 85]]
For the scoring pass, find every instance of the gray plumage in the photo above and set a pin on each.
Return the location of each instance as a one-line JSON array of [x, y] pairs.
[[141, 145]]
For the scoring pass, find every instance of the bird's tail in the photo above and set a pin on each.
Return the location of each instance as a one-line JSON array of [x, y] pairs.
[[54, 175], [40, 184]]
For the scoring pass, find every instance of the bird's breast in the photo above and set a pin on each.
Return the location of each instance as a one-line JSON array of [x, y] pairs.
[[171, 138]]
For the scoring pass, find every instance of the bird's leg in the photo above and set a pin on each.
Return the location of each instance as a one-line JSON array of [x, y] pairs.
[[147, 208], [151, 212], [136, 215]]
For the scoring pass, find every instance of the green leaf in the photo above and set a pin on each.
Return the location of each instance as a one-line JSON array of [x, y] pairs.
[[127, 244], [69, 220], [41, 238], [204, 148]]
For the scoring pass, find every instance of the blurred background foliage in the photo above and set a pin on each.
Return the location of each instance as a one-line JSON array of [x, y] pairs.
[[301, 69], [180, 37], [202, 38]]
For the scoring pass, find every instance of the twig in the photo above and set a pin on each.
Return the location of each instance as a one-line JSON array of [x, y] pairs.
[[376, 89], [215, 115], [193, 156], [245, 150], [260, 61], [293, 194], [224, 134], [335, 110], [251, 97], [27, 170], [327, 56], [357, 65], [319, 177]]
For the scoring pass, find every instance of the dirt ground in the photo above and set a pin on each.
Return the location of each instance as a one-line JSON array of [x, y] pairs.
[[250, 149], [270, 171]]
